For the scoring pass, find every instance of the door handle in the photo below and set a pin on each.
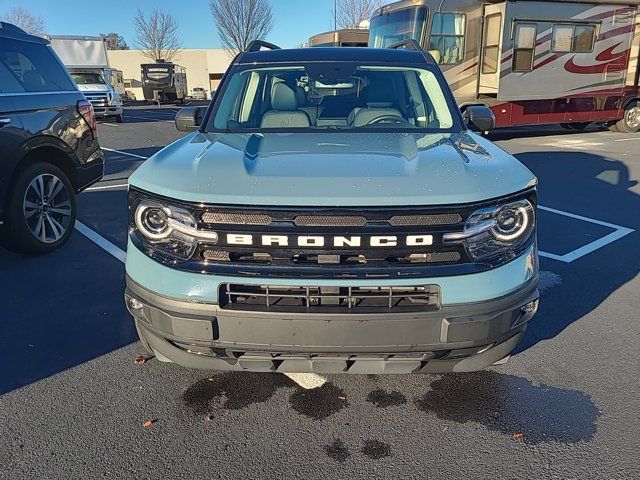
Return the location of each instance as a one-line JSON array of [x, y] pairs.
[[4, 121]]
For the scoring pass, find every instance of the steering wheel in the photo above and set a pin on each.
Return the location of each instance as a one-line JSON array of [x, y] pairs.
[[389, 119]]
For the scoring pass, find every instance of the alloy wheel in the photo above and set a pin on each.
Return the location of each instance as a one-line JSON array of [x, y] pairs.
[[47, 208], [633, 117]]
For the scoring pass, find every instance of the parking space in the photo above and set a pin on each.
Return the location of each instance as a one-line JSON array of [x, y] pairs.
[[565, 405]]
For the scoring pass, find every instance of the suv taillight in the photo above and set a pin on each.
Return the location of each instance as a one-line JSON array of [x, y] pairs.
[[86, 110]]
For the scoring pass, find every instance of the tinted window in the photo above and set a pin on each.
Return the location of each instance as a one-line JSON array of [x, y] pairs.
[[33, 66], [8, 83]]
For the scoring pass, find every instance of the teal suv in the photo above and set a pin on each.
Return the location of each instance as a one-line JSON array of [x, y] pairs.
[[332, 211]]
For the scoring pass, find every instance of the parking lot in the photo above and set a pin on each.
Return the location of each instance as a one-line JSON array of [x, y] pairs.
[[74, 403]]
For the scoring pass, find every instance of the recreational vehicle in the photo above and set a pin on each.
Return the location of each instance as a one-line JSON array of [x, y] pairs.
[[348, 37], [164, 82], [531, 62]]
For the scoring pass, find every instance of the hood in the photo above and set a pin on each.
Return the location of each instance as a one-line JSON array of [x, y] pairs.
[[332, 169], [93, 87]]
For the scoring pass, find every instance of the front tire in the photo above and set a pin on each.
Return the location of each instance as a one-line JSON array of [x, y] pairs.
[[41, 210], [119, 118], [630, 122]]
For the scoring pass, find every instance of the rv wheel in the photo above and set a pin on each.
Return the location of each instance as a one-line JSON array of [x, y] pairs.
[[630, 123]]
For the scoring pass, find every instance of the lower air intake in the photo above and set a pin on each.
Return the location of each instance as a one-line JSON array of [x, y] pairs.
[[329, 299]]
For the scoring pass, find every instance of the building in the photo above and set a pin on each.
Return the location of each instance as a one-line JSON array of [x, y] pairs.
[[205, 67]]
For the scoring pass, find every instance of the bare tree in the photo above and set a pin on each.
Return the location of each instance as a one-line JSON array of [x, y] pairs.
[[157, 35], [240, 21], [115, 41], [25, 20], [351, 12]]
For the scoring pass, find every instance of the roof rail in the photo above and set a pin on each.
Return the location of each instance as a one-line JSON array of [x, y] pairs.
[[408, 44], [256, 45]]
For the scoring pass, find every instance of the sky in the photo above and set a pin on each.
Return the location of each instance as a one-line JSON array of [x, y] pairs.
[[295, 20]]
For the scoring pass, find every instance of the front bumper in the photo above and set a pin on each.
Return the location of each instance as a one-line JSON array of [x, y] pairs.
[[107, 111], [457, 338]]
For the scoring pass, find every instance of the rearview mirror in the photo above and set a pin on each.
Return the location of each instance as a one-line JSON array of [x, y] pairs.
[[479, 118], [188, 119]]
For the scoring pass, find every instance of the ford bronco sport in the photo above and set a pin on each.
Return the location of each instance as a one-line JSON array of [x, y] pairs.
[[332, 212]]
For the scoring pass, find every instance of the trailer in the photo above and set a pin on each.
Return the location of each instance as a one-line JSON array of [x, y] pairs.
[[86, 60], [346, 37], [164, 82], [532, 62]]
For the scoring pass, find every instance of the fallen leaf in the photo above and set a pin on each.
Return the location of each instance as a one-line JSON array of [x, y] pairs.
[[342, 397], [208, 418], [446, 427], [148, 423], [518, 435], [547, 466], [142, 359]]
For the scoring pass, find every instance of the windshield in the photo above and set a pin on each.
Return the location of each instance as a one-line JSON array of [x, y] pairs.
[[88, 78], [393, 27], [339, 96]]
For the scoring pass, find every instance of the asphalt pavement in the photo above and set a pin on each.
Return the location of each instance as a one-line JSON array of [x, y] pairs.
[[74, 404]]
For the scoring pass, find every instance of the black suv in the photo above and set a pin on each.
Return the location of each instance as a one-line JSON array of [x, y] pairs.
[[48, 142]]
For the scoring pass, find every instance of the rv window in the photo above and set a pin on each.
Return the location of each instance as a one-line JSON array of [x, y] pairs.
[[446, 43], [573, 38], [491, 50], [524, 46]]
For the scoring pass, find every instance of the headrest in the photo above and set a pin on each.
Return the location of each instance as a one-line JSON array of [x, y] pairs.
[[379, 96], [283, 98]]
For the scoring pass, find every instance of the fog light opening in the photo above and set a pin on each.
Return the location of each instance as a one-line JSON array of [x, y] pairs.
[[530, 307], [135, 304]]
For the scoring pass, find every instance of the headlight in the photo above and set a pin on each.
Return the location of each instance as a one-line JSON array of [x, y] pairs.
[[496, 230], [115, 99], [166, 229]]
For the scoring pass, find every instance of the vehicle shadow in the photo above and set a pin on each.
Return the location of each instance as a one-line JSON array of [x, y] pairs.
[[539, 131], [592, 186]]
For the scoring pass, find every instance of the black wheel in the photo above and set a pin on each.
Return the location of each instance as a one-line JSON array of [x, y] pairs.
[[119, 118], [630, 122], [41, 210]]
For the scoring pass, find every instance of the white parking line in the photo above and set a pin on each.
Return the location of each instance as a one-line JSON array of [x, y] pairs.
[[102, 242], [617, 234], [627, 139], [106, 187], [124, 153]]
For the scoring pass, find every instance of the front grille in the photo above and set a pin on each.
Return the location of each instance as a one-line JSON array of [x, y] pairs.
[[332, 242], [425, 220], [222, 218], [317, 299], [329, 221]]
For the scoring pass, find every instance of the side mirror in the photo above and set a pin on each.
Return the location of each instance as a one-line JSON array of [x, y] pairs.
[[479, 118], [188, 119]]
